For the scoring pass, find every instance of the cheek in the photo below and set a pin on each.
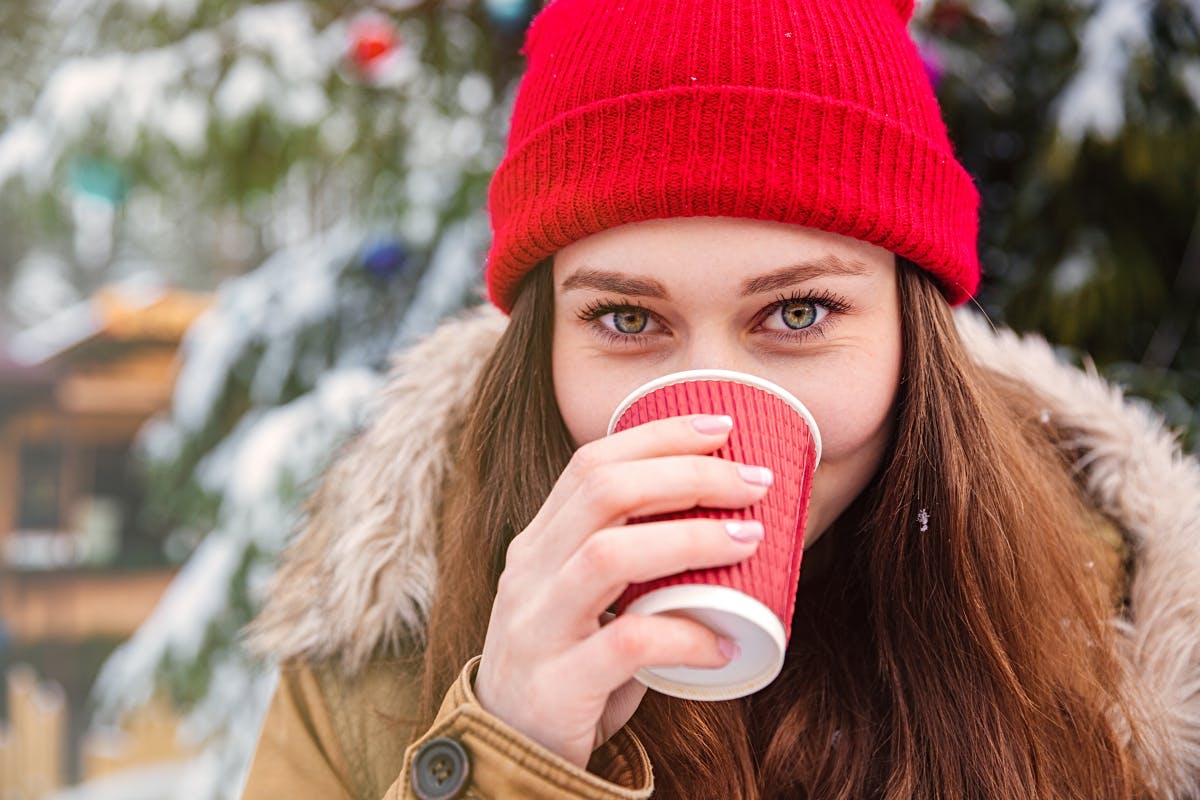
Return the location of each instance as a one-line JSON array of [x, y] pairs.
[[586, 397], [852, 395], [852, 417], [855, 412]]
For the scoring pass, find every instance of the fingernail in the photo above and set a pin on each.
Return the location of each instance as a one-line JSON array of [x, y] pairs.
[[729, 648], [713, 423], [759, 476], [748, 531]]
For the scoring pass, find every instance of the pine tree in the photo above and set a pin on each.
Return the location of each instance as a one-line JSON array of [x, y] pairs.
[[1080, 121], [324, 166]]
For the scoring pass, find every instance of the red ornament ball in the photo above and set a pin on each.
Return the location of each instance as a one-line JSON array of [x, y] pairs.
[[372, 39]]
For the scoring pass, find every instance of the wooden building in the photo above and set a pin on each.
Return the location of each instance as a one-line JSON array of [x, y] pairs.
[[73, 394], [77, 565]]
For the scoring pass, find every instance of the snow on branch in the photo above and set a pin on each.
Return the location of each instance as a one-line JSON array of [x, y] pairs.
[[1093, 102]]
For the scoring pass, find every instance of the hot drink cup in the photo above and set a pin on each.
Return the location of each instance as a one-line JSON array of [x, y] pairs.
[[752, 601]]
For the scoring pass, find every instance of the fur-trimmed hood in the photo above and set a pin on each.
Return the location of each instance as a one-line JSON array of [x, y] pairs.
[[358, 580]]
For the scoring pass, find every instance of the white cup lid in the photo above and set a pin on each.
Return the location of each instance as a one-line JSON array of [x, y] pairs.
[[729, 613]]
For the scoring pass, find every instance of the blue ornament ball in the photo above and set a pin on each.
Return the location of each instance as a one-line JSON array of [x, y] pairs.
[[508, 14], [384, 259]]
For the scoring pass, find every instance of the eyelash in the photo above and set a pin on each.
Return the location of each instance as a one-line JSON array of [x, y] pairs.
[[833, 303]]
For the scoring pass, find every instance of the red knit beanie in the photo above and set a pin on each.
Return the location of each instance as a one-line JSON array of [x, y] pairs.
[[811, 112]]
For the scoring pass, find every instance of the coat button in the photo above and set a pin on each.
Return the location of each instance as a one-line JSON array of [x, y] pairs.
[[441, 770]]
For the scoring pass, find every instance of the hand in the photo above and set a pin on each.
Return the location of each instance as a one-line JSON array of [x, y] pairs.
[[550, 669]]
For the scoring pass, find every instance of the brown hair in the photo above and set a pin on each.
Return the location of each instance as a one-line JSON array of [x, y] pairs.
[[955, 647]]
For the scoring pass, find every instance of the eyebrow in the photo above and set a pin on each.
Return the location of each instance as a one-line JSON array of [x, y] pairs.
[[615, 282], [620, 283]]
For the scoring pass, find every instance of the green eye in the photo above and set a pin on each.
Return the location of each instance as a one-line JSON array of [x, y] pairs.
[[798, 314], [630, 320]]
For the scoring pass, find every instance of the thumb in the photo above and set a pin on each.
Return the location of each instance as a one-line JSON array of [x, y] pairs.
[[621, 705]]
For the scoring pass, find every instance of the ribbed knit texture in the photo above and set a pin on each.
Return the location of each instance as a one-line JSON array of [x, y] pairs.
[[810, 112]]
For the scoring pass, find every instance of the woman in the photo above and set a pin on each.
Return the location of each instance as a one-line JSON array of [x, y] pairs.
[[1000, 586]]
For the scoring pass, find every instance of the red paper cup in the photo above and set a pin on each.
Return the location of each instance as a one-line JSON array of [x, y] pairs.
[[750, 602]]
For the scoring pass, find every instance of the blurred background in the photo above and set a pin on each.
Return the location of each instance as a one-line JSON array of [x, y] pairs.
[[218, 219]]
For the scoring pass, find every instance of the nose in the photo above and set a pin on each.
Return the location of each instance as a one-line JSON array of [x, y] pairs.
[[715, 351]]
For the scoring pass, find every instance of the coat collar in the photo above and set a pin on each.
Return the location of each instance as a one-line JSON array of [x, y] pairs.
[[359, 578]]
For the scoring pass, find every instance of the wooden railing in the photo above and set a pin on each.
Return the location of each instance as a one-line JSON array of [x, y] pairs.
[[33, 741], [70, 605]]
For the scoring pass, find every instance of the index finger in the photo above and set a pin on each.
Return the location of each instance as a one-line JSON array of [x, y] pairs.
[[689, 434]]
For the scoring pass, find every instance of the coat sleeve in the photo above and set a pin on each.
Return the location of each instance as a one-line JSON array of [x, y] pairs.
[[327, 738]]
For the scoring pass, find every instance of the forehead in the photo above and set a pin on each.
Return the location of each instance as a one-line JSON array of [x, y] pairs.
[[651, 257]]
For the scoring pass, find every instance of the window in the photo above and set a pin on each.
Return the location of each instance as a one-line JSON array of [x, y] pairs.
[[41, 479]]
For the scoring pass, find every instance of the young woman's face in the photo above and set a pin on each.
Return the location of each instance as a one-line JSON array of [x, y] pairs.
[[814, 312]]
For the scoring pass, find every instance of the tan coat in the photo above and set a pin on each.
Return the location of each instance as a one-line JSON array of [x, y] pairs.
[[354, 593]]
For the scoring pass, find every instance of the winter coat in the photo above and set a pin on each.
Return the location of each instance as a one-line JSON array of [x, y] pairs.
[[357, 583]]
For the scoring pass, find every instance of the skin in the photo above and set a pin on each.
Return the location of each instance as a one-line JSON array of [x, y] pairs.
[[555, 666], [847, 377]]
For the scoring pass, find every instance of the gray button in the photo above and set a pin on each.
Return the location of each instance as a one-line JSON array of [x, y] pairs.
[[441, 770]]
